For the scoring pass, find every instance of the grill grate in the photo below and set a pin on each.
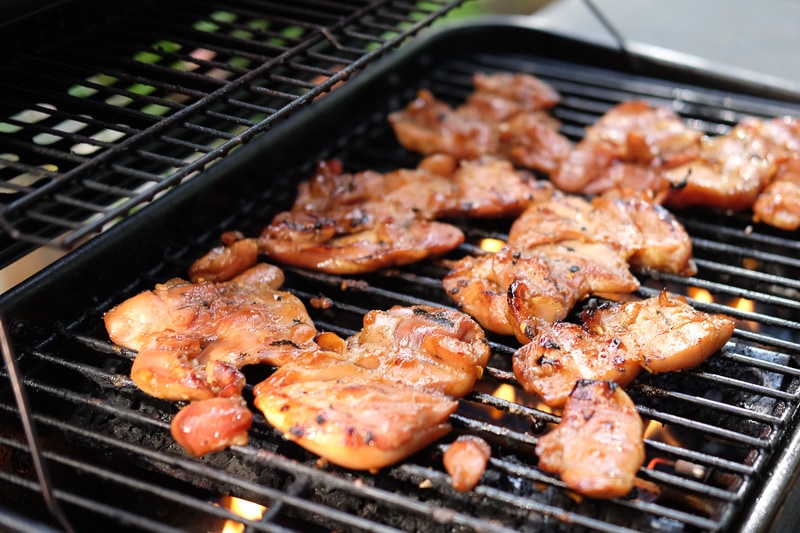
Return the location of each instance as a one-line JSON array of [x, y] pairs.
[[716, 433], [99, 122]]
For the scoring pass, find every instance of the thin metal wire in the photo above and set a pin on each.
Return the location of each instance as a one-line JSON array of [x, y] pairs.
[[31, 435], [622, 44]]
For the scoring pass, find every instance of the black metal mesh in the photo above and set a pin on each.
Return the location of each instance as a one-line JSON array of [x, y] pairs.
[[103, 112]]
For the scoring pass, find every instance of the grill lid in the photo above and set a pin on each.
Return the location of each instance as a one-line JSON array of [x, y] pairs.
[[716, 431]]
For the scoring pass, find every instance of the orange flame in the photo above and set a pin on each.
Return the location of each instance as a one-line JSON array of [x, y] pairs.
[[504, 392], [656, 431], [491, 245], [743, 304], [245, 509], [701, 295]]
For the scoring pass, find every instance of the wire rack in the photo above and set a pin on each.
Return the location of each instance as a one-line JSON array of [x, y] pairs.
[[112, 107]]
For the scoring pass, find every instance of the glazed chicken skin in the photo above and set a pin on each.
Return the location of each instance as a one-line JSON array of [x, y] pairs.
[[222, 263], [645, 234], [361, 425], [344, 223], [505, 290], [502, 90], [383, 393], [642, 147], [561, 250], [211, 425], [632, 133], [440, 186], [729, 172], [735, 170], [598, 447], [372, 240], [779, 203], [192, 340], [493, 188], [425, 189], [617, 341], [669, 333], [504, 117]]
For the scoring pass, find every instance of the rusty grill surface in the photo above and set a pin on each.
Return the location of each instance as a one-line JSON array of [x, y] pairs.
[[715, 433]]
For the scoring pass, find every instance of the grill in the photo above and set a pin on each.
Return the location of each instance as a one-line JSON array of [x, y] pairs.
[[105, 116], [722, 439]]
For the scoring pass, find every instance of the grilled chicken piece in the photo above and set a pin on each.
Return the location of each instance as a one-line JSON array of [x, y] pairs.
[[532, 140], [501, 117], [729, 172], [179, 305], [358, 424], [465, 460], [636, 146], [667, 332], [665, 245], [440, 186], [193, 338], [630, 133], [235, 255], [427, 189], [645, 234], [617, 341], [571, 217], [212, 425], [494, 188], [479, 286], [383, 393], [598, 446], [779, 204], [372, 240], [428, 348], [560, 354], [355, 223], [430, 126], [527, 92], [506, 290]]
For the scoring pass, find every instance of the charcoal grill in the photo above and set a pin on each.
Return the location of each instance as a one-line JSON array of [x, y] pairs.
[[722, 442]]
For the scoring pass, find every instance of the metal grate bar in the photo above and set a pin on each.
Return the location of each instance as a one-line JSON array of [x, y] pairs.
[[707, 429], [121, 64]]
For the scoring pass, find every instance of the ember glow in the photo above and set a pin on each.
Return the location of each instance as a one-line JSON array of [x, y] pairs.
[[504, 392], [244, 508], [743, 304], [656, 431], [701, 295], [491, 245]]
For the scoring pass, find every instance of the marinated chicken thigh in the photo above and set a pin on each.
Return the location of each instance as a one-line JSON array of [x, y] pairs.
[[502, 117], [598, 447], [192, 340], [383, 393], [617, 341]]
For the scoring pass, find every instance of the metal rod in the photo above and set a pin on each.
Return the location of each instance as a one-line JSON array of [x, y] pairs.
[[631, 59], [31, 435]]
